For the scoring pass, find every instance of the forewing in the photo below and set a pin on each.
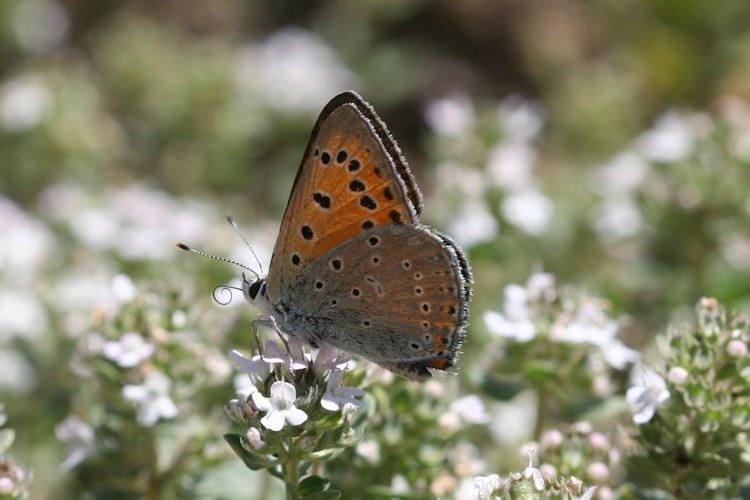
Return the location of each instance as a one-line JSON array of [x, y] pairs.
[[352, 179]]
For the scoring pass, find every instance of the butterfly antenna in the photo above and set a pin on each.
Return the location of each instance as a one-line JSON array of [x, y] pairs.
[[204, 254], [247, 243]]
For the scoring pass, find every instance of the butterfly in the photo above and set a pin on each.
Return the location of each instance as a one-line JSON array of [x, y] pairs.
[[352, 266]]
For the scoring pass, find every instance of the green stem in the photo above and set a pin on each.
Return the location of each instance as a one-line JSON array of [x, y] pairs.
[[291, 473], [541, 411]]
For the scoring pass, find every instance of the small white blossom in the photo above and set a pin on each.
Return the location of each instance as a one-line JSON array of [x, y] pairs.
[[129, 350], [541, 286], [451, 115], [528, 210], [80, 439], [255, 366], [253, 437], [369, 449], [671, 139], [151, 398], [336, 395], [279, 407], [293, 360], [486, 485], [598, 471], [515, 323], [649, 392]]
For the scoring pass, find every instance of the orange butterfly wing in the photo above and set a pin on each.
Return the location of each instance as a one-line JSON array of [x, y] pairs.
[[352, 178]]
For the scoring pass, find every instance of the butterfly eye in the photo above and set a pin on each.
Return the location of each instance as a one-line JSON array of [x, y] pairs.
[[252, 291]]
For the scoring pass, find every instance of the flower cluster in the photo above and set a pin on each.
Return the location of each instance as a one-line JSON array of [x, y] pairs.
[[582, 452], [531, 484], [551, 337], [693, 420], [294, 409]]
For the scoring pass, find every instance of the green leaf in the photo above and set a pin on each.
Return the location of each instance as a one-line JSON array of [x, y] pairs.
[[539, 371], [252, 461], [502, 389], [313, 484]]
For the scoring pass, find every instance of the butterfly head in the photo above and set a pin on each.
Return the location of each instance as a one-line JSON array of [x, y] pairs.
[[253, 289]]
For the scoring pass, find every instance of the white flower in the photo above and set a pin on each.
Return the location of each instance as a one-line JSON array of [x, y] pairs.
[[129, 350], [293, 360], [521, 331], [336, 395], [255, 366], [253, 437], [510, 165], [616, 218], [649, 392], [327, 358], [80, 439], [151, 398], [671, 139], [471, 409], [24, 103], [293, 70], [541, 286], [451, 115], [369, 449], [520, 120], [621, 175], [529, 210], [486, 485], [474, 224], [279, 407]]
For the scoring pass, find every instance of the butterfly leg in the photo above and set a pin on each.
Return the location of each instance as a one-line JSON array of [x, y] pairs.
[[272, 322], [256, 324]]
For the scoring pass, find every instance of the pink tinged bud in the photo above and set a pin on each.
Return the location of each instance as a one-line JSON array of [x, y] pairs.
[[598, 441], [598, 472], [677, 375], [552, 440], [6, 486], [549, 472], [737, 349]]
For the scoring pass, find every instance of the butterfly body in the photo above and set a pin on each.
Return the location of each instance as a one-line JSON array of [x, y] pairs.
[[352, 266]]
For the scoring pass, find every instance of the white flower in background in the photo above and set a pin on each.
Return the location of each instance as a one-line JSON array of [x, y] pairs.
[[151, 398], [621, 175], [615, 219], [293, 70], [21, 315], [336, 395], [243, 386], [279, 407], [737, 349], [253, 437], [590, 324], [541, 286], [529, 210], [486, 485], [369, 449], [647, 393], [521, 120], [509, 165], [123, 288], [471, 409], [129, 350], [24, 103], [515, 322], [25, 243], [451, 115], [40, 25], [677, 375], [473, 224], [671, 139], [80, 438]]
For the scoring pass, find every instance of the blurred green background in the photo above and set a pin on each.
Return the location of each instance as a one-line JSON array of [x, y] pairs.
[[606, 142]]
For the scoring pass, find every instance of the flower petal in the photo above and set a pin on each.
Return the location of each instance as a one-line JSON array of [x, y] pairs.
[[273, 421], [261, 402], [295, 416], [283, 390]]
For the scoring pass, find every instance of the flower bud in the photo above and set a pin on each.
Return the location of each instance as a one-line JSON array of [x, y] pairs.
[[552, 439], [737, 349], [677, 375], [598, 472]]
